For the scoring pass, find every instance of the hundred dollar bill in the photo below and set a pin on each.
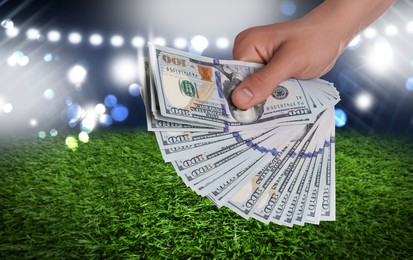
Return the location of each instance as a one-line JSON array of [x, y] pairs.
[[274, 162], [245, 202], [286, 204], [198, 89]]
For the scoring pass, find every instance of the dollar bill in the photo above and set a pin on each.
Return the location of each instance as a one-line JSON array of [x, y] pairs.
[[274, 162]]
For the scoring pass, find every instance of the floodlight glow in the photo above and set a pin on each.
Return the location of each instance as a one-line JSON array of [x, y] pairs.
[[124, 70], [391, 30], [117, 41], [409, 27], [138, 42], [409, 84], [222, 43], [12, 32], [7, 108], [53, 36], [96, 39], [340, 118], [33, 122], [32, 34], [356, 40], [382, 55], [77, 74], [199, 43], [7, 23], [180, 43], [159, 41], [364, 101], [75, 38], [288, 7], [48, 94], [88, 124], [100, 109], [370, 33]]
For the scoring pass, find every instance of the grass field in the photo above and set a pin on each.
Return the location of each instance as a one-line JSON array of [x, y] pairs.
[[114, 197]]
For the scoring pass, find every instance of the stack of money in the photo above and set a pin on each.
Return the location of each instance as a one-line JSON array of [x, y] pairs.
[[274, 162]]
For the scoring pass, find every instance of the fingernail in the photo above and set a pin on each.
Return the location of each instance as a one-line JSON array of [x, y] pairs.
[[243, 95]]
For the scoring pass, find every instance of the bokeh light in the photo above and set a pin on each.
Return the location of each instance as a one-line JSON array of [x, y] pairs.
[[119, 113], [100, 109], [88, 124], [42, 134], [134, 89], [74, 38], [71, 142], [409, 84], [382, 55], [105, 120], [96, 39], [180, 43], [370, 33], [33, 122], [124, 70], [33, 34], [160, 41], [288, 7], [18, 58], [138, 42], [7, 23], [83, 137], [391, 30], [110, 100], [53, 36], [77, 74], [198, 44], [117, 41], [222, 43], [340, 118], [53, 132], [364, 101], [12, 32], [48, 94], [7, 108], [73, 114], [48, 57]]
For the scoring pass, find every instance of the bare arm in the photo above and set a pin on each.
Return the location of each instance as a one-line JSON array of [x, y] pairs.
[[304, 48]]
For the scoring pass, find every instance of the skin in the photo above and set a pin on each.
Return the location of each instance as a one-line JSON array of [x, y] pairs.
[[304, 48]]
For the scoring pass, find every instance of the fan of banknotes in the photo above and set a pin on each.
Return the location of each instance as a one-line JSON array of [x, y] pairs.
[[274, 162]]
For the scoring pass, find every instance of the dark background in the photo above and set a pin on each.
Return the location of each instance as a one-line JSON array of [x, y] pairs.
[[25, 87]]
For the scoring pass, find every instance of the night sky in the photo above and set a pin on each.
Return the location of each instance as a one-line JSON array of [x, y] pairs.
[[374, 76]]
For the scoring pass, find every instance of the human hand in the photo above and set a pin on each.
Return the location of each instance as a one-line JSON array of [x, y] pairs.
[[292, 49], [304, 48]]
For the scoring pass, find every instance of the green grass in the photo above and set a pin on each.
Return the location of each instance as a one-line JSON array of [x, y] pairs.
[[115, 198]]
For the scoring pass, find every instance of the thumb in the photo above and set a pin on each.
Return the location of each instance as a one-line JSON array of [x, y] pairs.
[[258, 86]]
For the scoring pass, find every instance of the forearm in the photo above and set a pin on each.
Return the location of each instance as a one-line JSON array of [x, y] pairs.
[[347, 18]]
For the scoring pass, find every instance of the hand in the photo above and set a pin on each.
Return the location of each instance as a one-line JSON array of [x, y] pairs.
[[294, 49], [304, 48]]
